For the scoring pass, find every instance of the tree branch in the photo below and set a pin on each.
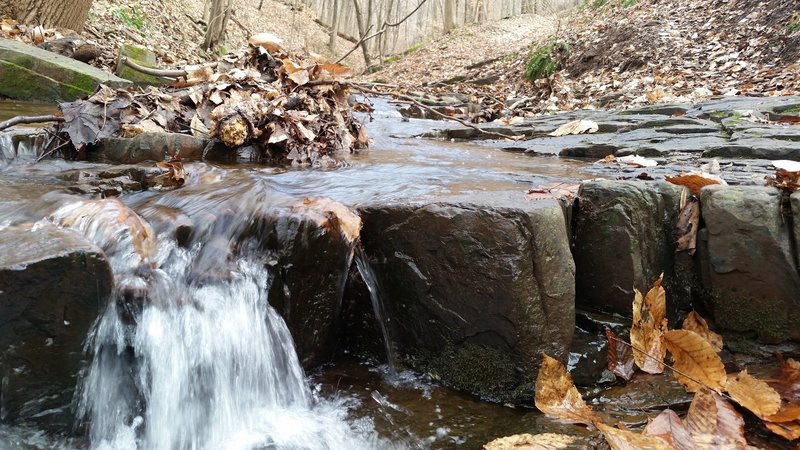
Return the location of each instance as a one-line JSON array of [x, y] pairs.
[[28, 119]]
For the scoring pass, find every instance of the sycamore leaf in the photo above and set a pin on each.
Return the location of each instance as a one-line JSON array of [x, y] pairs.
[[713, 421], [648, 328], [628, 440], [544, 441], [695, 322], [695, 357], [557, 397], [754, 394], [620, 357], [695, 180], [668, 426], [578, 126]]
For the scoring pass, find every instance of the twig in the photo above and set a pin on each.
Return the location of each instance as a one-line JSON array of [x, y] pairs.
[[358, 44], [151, 71], [29, 119], [195, 24], [433, 111], [50, 152]]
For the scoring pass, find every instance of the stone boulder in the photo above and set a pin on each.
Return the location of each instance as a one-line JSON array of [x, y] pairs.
[[53, 283], [30, 73], [624, 239], [474, 289], [751, 276]]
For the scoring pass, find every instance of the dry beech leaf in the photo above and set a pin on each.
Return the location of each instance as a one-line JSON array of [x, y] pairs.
[[544, 441], [628, 440], [695, 322], [753, 394], [267, 41], [789, 383], [578, 126], [713, 423], [668, 426], [688, 223], [648, 328], [620, 357], [558, 398], [789, 412], [333, 215], [695, 180], [695, 357], [787, 430]]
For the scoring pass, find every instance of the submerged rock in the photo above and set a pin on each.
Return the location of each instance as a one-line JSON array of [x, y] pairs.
[[53, 283], [751, 275], [475, 289]]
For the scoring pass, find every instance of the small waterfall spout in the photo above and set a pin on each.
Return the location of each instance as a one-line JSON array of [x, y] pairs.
[[189, 355], [368, 275]]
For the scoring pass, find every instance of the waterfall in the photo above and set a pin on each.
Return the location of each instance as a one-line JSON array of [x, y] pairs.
[[368, 275], [188, 354]]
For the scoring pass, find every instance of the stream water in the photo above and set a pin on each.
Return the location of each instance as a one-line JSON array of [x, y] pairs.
[[206, 363]]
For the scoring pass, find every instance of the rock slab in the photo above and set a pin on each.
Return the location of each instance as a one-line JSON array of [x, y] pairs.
[[30, 73], [53, 283]]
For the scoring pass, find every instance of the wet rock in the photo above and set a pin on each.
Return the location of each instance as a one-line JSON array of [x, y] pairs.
[[624, 240], [756, 148], [19, 142], [752, 277], [53, 284], [155, 147], [474, 289], [30, 73], [795, 205]]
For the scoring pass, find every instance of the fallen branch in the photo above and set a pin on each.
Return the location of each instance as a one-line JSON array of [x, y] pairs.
[[29, 119], [412, 101], [152, 71]]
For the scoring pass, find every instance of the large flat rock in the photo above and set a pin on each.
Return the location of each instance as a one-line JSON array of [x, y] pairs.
[[752, 275], [474, 289], [53, 283], [30, 73]]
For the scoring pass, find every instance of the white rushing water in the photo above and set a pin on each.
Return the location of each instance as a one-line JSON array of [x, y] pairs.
[[189, 355]]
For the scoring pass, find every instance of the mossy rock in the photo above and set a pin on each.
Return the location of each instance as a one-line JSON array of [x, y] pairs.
[[30, 73], [142, 57]]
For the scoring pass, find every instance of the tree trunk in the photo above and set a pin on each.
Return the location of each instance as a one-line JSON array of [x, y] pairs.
[[219, 14], [70, 14], [334, 27], [449, 13]]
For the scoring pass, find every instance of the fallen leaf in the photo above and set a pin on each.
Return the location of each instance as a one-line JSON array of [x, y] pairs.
[[628, 440], [199, 129], [267, 41], [668, 426], [300, 77], [789, 412], [620, 357], [787, 430], [578, 126], [793, 120], [544, 441], [636, 161], [753, 394], [688, 224], [695, 180], [553, 190], [333, 215], [648, 328], [695, 322], [696, 358], [712, 422], [557, 397]]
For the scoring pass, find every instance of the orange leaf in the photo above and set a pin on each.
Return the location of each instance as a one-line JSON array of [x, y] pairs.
[[620, 357], [753, 394], [788, 430], [695, 357], [694, 322], [557, 397], [544, 441], [695, 180], [648, 328], [711, 421], [668, 426], [789, 412], [628, 440]]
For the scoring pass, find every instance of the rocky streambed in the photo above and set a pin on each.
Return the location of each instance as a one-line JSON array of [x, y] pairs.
[[474, 277]]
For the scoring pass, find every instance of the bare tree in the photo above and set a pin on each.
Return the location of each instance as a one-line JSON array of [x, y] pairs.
[[70, 14], [448, 18], [334, 28], [218, 17]]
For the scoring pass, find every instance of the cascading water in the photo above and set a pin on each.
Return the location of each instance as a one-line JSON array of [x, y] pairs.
[[189, 355], [368, 275]]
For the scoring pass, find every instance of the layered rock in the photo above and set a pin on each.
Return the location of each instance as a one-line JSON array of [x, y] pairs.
[[752, 275], [474, 289], [53, 283]]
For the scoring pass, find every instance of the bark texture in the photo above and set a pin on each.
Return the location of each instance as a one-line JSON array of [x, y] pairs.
[[69, 14]]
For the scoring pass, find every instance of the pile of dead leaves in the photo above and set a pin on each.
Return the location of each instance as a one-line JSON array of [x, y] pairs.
[[711, 422], [787, 176], [285, 105]]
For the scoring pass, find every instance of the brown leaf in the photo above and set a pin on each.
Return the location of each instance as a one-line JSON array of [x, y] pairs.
[[577, 126], [628, 440], [793, 120], [788, 430], [694, 322], [695, 357], [333, 215], [668, 426], [789, 412], [754, 394], [713, 421], [620, 357], [553, 191], [544, 441], [557, 397], [648, 328], [267, 41], [695, 180], [688, 223]]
